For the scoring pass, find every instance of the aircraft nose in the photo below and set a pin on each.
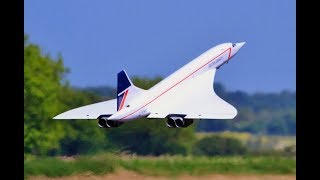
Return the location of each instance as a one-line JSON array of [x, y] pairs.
[[236, 47], [240, 44]]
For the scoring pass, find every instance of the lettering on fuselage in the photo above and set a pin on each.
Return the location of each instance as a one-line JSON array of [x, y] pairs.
[[215, 62]]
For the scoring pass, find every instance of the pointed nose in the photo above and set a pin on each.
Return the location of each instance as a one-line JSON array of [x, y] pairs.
[[236, 48], [240, 44]]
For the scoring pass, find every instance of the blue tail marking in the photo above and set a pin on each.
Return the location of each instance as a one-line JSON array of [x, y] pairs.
[[123, 83]]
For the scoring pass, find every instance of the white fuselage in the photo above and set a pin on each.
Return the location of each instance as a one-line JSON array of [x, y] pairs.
[[212, 58]]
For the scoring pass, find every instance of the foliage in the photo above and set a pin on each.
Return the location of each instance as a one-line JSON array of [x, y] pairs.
[[81, 136], [151, 137], [102, 91], [216, 145], [161, 166], [258, 144], [46, 94], [42, 77], [145, 83], [258, 113]]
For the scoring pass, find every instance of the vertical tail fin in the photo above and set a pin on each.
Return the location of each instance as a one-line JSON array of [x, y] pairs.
[[126, 90], [122, 90], [123, 81]]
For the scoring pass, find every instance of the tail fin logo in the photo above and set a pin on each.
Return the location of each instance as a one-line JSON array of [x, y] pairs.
[[124, 86], [121, 100], [122, 89]]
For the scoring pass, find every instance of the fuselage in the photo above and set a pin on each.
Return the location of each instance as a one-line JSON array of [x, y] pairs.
[[212, 58]]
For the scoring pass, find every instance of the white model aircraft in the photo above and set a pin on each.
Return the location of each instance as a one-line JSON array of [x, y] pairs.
[[182, 97]]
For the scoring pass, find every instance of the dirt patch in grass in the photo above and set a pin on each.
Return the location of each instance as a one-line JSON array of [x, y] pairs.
[[124, 175]]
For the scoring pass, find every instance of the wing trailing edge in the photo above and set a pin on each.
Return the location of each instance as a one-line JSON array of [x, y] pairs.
[[195, 98]]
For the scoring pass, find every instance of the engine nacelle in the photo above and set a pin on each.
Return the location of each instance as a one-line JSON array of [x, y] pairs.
[[178, 122], [171, 123], [103, 122]]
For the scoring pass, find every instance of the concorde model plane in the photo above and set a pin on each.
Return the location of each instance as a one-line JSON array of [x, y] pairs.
[[184, 96]]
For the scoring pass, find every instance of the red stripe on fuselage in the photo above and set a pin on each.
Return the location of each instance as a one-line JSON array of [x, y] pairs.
[[229, 53], [179, 82], [123, 100]]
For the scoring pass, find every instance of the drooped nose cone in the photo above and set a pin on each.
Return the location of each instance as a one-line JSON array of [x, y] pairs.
[[237, 47], [240, 44]]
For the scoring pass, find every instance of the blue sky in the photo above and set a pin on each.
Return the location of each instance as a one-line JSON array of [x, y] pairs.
[[98, 38]]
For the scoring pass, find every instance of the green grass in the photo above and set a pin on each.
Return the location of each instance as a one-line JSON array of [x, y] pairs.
[[172, 166], [54, 167], [160, 166]]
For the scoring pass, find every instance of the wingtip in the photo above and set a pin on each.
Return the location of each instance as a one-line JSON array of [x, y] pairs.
[[235, 112], [57, 117]]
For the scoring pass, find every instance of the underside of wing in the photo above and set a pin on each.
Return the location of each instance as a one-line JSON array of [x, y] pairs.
[[92, 111], [195, 99]]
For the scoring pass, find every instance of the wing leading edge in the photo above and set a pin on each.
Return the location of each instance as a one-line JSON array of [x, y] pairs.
[[92, 111], [195, 98]]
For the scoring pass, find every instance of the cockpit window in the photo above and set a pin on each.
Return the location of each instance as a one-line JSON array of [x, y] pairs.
[[234, 44]]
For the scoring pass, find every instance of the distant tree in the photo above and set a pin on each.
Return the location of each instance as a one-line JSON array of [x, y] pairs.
[[290, 120], [105, 92], [277, 127], [46, 94], [213, 125], [145, 83], [220, 90], [42, 77], [81, 136], [258, 113], [216, 145], [151, 137]]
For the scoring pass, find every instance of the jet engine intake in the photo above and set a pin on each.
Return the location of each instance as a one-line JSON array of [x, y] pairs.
[[178, 122], [171, 123], [103, 122]]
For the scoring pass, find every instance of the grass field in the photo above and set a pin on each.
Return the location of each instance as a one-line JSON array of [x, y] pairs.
[[158, 166]]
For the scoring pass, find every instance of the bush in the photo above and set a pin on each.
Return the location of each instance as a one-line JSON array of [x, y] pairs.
[[217, 145], [152, 137]]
